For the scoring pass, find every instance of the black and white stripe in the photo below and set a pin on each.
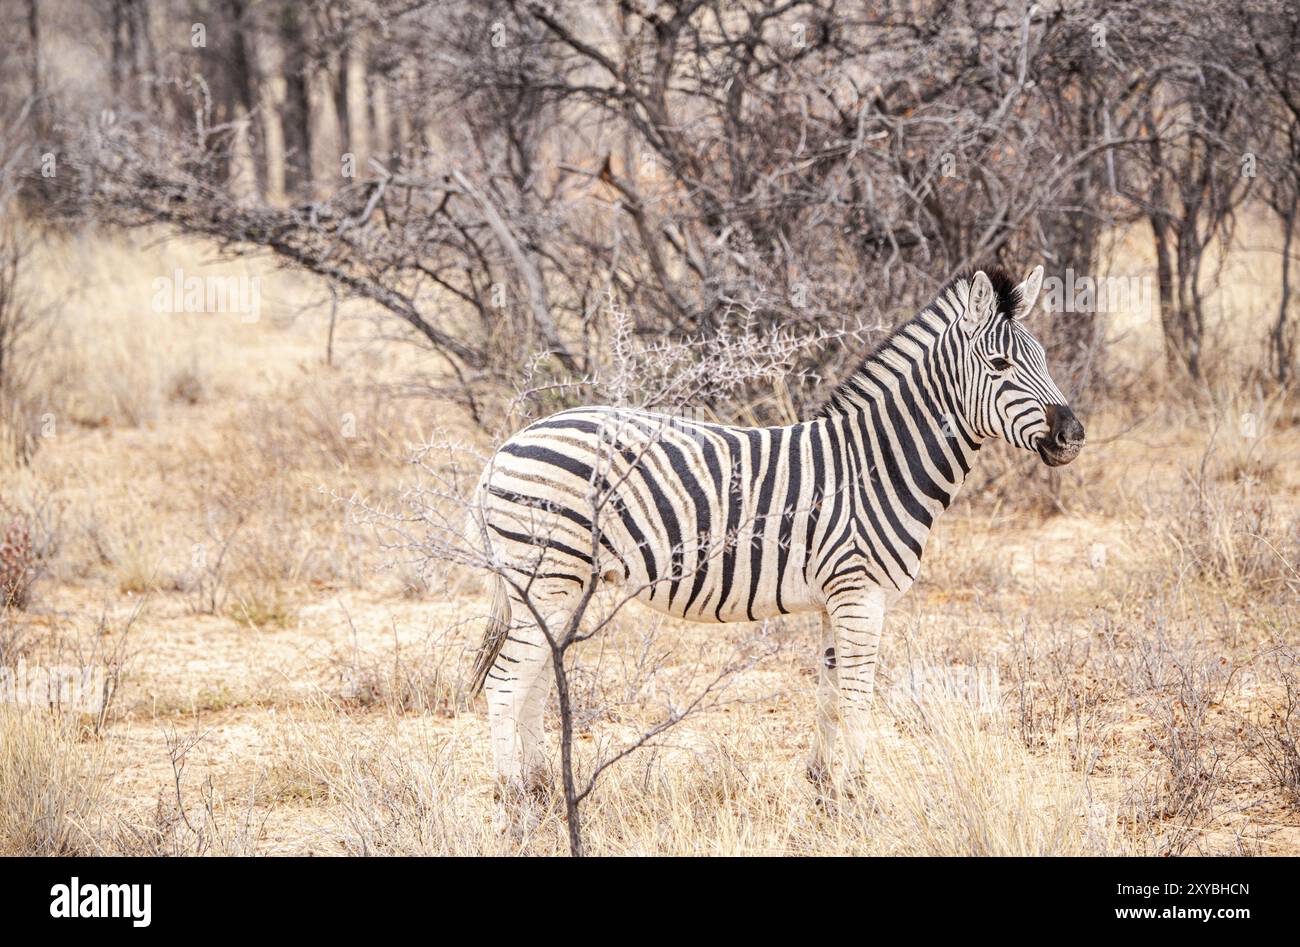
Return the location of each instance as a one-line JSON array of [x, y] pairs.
[[717, 523]]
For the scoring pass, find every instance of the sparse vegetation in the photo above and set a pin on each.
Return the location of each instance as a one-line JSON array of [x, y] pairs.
[[1117, 729], [181, 489]]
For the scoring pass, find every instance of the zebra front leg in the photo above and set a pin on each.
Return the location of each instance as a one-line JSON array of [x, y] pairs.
[[858, 620], [819, 761]]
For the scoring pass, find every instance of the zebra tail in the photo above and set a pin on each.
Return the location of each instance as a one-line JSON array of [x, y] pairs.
[[494, 635]]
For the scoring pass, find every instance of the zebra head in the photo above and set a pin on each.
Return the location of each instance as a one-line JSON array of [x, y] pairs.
[[1008, 391]]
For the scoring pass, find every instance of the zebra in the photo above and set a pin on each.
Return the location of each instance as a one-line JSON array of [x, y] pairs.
[[716, 523]]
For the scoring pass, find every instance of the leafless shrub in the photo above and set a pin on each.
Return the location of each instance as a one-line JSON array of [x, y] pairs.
[[103, 655], [1275, 740], [188, 385], [18, 558], [425, 682], [839, 204], [1187, 686], [1057, 690], [217, 825], [15, 636], [392, 797], [263, 526]]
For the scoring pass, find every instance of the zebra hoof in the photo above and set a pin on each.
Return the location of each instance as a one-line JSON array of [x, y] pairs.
[[520, 808], [857, 790], [517, 822], [819, 775]]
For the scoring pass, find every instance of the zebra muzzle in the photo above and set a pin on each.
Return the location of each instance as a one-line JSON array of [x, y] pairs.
[[1064, 438]]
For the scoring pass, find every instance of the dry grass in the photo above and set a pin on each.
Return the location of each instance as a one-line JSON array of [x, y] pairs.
[[1132, 606], [404, 789], [52, 784]]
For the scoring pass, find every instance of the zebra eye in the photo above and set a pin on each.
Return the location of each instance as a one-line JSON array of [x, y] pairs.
[[1000, 364]]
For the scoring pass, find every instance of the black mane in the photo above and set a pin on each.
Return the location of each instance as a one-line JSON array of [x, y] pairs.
[[1005, 289], [1006, 292]]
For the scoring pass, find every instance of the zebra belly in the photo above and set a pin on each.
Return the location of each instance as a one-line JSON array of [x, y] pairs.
[[735, 611]]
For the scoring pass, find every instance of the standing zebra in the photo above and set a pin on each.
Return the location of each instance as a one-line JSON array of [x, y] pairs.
[[715, 523]]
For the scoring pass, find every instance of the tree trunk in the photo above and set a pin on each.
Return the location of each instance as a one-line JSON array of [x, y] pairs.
[[355, 100], [1282, 344], [246, 168], [296, 106], [37, 68], [326, 132], [381, 122], [271, 105], [1165, 286]]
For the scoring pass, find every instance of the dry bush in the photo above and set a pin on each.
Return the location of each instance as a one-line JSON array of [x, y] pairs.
[[956, 782], [18, 558], [1227, 526], [1060, 691], [126, 537], [1233, 538], [1175, 672], [51, 784], [108, 360], [121, 381], [108, 648], [1146, 689], [218, 825], [267, 522], [426, 679], [15, 638], [1196, 760], [1275, 739], [188, 384], [1245, 424], [966, 556], [331, 423]]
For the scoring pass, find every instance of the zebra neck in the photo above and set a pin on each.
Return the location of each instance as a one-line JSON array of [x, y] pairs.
[[902, 403]]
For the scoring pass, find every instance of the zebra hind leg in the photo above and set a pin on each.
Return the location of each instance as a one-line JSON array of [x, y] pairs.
[[517, 687]]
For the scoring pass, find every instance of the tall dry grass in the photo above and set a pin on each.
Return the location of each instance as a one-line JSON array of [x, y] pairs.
[[945, 781], [52, 784]]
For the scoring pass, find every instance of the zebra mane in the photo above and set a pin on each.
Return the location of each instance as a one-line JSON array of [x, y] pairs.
[[1005, 290]]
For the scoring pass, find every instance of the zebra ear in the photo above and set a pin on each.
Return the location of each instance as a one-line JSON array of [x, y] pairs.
[[979, 303], [1029, 293]]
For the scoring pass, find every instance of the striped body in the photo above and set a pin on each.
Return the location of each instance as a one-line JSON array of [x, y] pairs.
[[716, 523]]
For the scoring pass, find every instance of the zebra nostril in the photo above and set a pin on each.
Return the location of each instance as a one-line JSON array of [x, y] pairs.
[[1065, 430]]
